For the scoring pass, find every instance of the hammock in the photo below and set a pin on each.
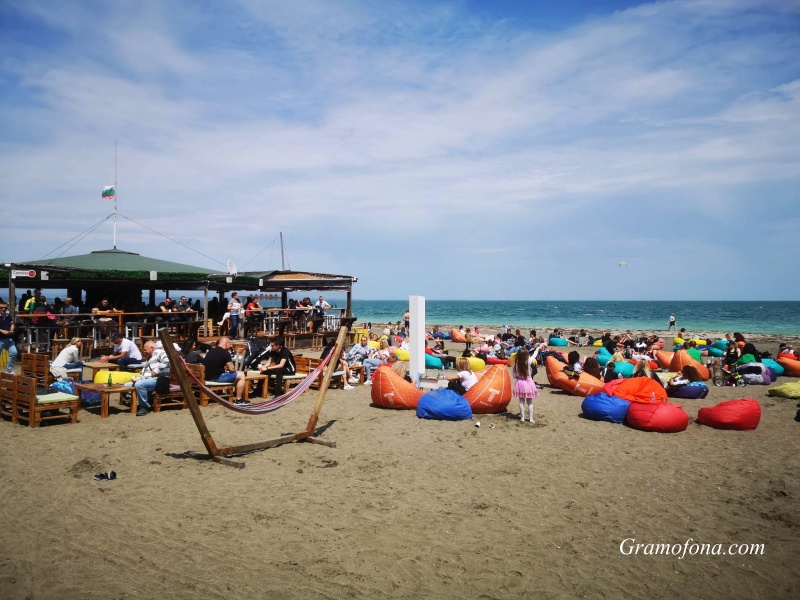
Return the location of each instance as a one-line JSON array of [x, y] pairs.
[[260, 408]]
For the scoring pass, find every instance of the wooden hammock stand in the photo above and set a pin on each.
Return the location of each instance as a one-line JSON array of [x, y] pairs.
[[221, 455]]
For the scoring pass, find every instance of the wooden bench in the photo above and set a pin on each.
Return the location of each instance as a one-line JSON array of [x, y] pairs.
[[301, 372], [33, 408], [226, 390]]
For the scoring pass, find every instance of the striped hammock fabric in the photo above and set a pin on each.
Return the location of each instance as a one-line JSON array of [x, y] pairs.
[[260, 408]]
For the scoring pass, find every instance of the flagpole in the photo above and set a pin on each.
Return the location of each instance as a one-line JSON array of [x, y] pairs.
[[115, 194]]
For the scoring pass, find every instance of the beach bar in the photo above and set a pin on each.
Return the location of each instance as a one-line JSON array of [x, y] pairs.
[[122, 276]]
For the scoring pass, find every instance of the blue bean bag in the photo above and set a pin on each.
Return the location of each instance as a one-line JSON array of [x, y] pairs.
[[443, 405], [433, 362], [623, 368], [720, 344], [557, 342], [692, 391], [602, 356], [602, 407], [775, 366]]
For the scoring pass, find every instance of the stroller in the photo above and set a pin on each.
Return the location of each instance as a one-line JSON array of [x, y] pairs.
[[257, 350], [721, 377]]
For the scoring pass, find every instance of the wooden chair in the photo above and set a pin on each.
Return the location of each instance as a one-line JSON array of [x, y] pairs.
[[33, 408], [172, 398], [225, 390], [337, 377], [8, 395], [37, 366]]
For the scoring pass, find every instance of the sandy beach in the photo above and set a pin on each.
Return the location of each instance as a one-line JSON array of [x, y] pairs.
[[402, 507]]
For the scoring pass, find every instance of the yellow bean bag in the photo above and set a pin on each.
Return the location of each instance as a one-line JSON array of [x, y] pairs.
[[597, 343], [476, 364], [678, 341], [401, 354], [116, 376], [373, 344]]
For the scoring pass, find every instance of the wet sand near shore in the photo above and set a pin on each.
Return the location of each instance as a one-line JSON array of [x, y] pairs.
[[402, 507]]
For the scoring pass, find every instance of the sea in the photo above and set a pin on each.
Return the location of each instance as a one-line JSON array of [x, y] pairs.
[[780, 318], [766, 317]]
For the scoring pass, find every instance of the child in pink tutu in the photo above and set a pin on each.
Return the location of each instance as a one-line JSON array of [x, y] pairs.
[[524, 387]]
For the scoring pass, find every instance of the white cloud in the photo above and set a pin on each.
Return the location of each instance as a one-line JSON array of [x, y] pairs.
[[408, 131]]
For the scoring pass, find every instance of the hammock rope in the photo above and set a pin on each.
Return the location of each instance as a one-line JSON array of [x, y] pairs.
[[260, 408]]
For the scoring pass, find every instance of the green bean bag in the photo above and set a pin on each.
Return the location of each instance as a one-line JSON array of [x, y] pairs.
[[787, 390]]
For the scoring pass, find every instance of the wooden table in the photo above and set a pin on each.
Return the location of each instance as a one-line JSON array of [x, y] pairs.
[[95, 365], [105, 392], [255, 376], [360, 370]]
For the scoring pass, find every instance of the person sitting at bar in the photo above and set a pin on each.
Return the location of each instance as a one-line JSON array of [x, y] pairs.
[[101, 314], [166, 308], [185, 309], [125, 352], [69, 309]]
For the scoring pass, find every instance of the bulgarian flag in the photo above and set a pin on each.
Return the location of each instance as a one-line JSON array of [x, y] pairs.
[[109, 193]]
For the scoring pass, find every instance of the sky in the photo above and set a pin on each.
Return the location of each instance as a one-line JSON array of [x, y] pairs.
[[450, 149]]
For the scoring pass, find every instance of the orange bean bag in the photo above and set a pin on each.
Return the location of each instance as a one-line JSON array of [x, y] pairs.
[[492, 393], [791, 366], [661, 418], [584, 385], [741, 415], [457, 336], [682, 359], [640, 389], [664, 358], [389, 390]]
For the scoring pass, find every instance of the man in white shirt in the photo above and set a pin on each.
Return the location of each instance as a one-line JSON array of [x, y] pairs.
[[157, 363], [125, 352]]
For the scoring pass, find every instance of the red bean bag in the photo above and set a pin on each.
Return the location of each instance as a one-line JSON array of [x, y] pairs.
[[492, 393], [493, 360], [742, 415], [642, 390], [662, 418], [610, 387], [389, 390]]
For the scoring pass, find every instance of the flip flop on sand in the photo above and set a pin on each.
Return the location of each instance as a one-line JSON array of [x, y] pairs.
[[110, 476]]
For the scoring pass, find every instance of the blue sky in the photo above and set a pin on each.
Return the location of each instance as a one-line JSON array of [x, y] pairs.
[[456, 150]]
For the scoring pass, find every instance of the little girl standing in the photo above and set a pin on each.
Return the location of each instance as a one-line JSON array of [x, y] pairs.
[[524, 387]]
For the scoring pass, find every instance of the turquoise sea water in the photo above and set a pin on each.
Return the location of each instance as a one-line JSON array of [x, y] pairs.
[[745, 317]]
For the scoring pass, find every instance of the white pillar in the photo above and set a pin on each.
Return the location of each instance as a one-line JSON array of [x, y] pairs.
[[416, 331]]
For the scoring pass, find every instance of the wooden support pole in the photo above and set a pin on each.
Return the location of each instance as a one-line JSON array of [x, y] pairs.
[[176, 363], [326, 382], [220, 454]]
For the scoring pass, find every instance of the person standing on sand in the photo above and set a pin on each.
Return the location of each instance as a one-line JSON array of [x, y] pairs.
[[524, 387], [672, 322]]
